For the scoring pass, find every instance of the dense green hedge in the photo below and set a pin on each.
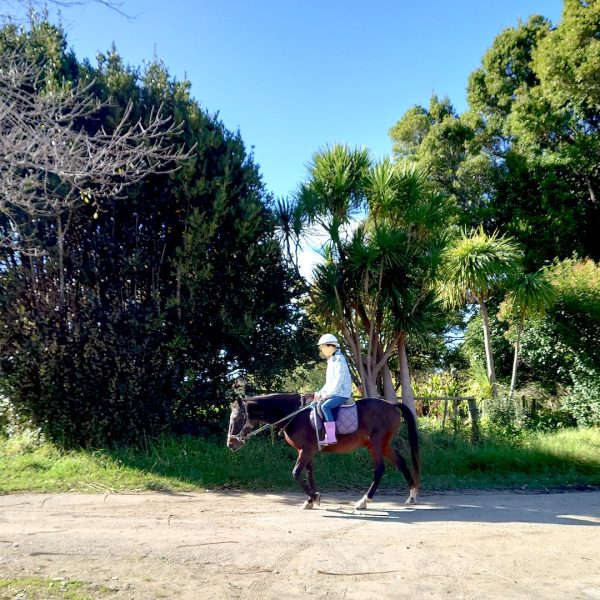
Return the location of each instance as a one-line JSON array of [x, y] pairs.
[[165, 291]]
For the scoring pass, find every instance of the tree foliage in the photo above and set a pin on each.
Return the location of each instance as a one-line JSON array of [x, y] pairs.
[[166, 289], [530, 293], [524, 158], [562, 346], [375, 285], [475, 266]]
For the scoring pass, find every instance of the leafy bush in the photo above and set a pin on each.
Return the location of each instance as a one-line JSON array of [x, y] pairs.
[[106, 335], [501, 418], [583, 401], [560, 351], [5, 414], [549, 420]]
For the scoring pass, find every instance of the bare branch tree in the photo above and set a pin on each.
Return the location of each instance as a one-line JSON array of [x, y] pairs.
[[18, 10], [50, 164]]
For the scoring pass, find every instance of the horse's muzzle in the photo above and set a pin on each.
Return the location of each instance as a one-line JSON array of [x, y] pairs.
[[234, 443]]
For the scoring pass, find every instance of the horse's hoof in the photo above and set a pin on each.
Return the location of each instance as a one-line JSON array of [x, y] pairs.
[[361, 504], [308, 505], [317, 499], [412, 496]]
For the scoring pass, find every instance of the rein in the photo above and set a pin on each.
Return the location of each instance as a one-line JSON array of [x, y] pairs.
[[244, 438]]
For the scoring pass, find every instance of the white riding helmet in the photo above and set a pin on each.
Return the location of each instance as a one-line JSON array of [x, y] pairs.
[[328, 338]]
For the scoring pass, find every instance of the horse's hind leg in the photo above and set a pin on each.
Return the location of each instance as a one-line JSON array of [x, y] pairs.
[[392, 455], [303, 459], [378, 470]]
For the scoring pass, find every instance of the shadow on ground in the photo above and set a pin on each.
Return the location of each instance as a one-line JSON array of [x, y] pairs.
[[569, 508]]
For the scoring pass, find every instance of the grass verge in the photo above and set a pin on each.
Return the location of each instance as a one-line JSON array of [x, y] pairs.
[[567, 458], [40, 588]]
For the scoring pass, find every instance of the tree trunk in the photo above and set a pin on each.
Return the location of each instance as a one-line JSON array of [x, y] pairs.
[[591, 190], [408, 397], [371, 371], [354, 345], [370, 385], [60, 236], [491, 371], [34, 286], [389, 391], [178, 293], [513, 380]]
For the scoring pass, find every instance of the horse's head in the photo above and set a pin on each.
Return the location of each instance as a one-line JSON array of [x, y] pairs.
[[239, 425]]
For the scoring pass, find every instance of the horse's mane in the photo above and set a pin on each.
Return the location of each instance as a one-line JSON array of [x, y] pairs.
[[279, 396], [273, 404]]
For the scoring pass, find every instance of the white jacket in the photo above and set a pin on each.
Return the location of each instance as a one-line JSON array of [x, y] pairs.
[[337, 380]]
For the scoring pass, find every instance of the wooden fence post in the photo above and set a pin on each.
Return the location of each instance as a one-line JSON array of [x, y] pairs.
[[455, 402], [475, 433]]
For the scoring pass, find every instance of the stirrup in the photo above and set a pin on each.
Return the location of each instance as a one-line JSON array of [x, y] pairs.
[[321, 441], [325, 442]]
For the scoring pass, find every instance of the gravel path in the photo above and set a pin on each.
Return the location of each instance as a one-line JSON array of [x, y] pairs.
[[250, 546]]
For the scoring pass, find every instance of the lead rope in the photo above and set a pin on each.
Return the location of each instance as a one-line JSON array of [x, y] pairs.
[[314, 408]]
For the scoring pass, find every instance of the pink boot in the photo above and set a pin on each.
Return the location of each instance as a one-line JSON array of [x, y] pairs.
[[330, 432]]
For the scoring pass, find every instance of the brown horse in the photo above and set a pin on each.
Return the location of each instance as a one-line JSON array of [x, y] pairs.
[[378, 422]]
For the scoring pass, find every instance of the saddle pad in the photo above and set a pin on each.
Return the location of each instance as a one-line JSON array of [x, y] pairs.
[[346, 419]]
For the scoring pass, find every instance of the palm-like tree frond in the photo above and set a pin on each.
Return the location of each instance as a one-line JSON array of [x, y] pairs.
[[290, 223], [325, 292], [476, 264], [336, 177], [391, 189], [530, 293]]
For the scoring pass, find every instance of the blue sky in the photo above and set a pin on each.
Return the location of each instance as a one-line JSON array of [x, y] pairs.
[[295, 76]]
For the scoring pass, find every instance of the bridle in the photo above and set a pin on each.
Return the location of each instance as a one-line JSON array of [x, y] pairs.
[[243, 438]]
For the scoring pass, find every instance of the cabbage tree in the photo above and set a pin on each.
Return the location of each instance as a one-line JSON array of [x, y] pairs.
[[530, 294], [476, 266], [376, 283]]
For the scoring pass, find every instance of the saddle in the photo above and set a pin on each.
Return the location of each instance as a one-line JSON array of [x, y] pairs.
[[346, 417]]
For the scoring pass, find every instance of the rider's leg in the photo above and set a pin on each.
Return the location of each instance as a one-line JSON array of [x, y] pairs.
[[330, 432], [327, 408]]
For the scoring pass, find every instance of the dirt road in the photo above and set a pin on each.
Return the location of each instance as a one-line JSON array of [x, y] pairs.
[[250, 546]]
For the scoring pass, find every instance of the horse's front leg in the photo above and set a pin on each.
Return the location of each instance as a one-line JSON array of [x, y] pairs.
[[304, 458], [316, 496]]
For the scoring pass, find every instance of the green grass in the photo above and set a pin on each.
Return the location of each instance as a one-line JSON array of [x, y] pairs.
[[38, 588], [567, 458]]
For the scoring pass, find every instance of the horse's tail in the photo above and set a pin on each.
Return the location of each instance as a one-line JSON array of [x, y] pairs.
[[413, 441]]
